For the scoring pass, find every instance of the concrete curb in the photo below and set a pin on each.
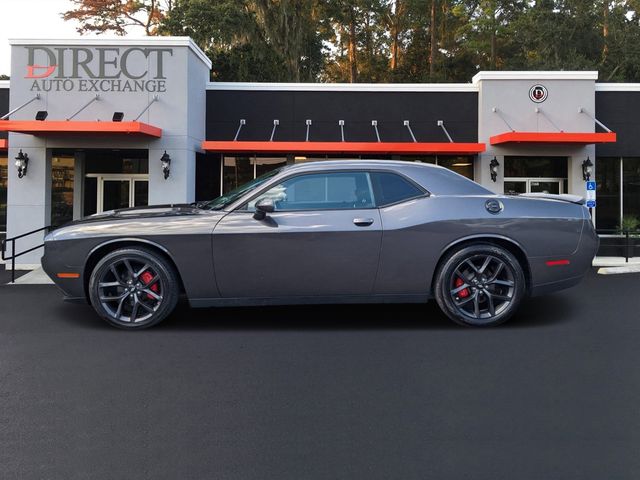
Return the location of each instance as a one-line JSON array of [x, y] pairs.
[[619, 270], [615, 262]]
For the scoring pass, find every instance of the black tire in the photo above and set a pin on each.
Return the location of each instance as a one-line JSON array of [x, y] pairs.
[[133, 288], [474, 293]]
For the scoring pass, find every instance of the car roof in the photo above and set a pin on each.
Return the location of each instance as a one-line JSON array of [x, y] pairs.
[[364, 164], [434, 178]]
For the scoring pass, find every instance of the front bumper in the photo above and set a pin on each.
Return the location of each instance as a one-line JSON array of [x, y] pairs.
[[55, 261]]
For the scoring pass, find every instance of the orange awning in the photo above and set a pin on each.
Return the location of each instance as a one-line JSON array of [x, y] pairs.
[[553, 137], [4, 144], [343, 147], [35, 127]]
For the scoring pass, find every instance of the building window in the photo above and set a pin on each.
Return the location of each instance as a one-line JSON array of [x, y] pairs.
[[207, 176], [618, 194], [631, 187], [266, 164], [117, 161], [535, 175], [238, 170], [3, 194], [608, 192], [62, 178], [461, 165], [538, 167], [115, 179]]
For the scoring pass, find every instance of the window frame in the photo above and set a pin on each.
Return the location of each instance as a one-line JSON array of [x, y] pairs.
[[243, 203], [425, 193], [243, 207]]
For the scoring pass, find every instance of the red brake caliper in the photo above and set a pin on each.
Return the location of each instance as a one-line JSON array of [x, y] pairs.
[[146, 277], [462, 293]]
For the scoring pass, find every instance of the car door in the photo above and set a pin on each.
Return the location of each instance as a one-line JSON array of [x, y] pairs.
[[322, 239]]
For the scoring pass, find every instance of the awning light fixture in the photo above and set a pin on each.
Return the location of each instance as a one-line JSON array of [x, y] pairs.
[[587, 169], [22, 163], [165, 161], [493, 168]]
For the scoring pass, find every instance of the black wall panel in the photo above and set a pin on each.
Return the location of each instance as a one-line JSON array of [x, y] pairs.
[[225, 108], [620, 111], [4, 106]]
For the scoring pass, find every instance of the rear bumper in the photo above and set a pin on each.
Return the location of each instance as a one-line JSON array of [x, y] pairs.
[[546, 288], [548, 275]]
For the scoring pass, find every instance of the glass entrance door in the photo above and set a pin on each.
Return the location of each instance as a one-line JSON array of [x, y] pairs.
[[545, 186], [535, 175], [121, 191], [115, 194], [516, 186]]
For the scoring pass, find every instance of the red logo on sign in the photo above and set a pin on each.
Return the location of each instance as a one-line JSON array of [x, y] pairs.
[[31, 71]]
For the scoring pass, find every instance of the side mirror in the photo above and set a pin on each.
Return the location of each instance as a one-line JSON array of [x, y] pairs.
[[264, 206]]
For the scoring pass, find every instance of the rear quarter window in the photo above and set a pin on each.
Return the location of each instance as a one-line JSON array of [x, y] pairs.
[[390, 188]]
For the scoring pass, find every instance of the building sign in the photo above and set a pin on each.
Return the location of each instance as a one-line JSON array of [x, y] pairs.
[[538, 93], [101, 69], [591, 194]]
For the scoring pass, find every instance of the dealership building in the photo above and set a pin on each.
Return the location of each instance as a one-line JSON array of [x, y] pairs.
[[91, 125]]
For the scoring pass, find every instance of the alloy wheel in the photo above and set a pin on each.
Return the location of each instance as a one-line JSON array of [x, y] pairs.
[[130, 290], [482, 287]]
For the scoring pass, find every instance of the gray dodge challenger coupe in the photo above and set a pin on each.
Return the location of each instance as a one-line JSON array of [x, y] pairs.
[[355, 231]]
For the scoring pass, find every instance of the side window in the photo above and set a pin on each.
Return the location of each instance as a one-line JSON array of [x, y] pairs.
[[321, 191], [391, 188]]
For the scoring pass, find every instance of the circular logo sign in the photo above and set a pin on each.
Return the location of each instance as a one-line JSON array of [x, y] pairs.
[[538, 93]]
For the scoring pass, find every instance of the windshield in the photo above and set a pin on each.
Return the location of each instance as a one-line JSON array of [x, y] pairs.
[[228, 198]]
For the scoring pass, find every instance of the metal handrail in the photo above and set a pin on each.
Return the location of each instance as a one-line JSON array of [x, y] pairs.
[[15, 255], [619, 233]]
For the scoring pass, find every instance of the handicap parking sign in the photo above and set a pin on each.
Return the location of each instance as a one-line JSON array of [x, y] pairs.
[[591, 194]]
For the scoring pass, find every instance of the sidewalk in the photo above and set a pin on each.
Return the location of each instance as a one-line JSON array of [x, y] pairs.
[[23, 277], [616, 265]]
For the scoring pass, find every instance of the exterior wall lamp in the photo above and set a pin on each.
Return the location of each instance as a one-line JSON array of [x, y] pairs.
[[493, 168], [587, 169], [22, 162], [165, 160]]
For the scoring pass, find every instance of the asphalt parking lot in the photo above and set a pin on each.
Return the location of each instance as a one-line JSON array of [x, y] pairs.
[[323, 392]]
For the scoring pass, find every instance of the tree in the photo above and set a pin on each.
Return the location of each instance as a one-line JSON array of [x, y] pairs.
[[100, 16], [289, 27], [386, 40], [252, 40]]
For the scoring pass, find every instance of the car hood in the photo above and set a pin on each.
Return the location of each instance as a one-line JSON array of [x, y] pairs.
[[169, 210], [141, 222]]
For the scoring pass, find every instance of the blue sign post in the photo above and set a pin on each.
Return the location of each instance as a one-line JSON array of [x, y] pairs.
[[591, 194]]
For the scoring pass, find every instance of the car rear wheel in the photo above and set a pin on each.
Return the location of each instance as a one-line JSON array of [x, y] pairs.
[[133, 288], [480, 285]]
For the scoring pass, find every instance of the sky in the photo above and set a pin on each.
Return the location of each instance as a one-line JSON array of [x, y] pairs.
[[32, 19]]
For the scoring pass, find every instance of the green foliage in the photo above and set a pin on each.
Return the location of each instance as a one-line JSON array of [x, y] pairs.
[[629, 223], [392, 40]]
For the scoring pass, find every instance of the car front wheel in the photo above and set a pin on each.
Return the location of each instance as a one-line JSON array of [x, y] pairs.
[[480, 285], [133, 288]]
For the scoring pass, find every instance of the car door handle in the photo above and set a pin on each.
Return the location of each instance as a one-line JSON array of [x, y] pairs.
[[363, 222]]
